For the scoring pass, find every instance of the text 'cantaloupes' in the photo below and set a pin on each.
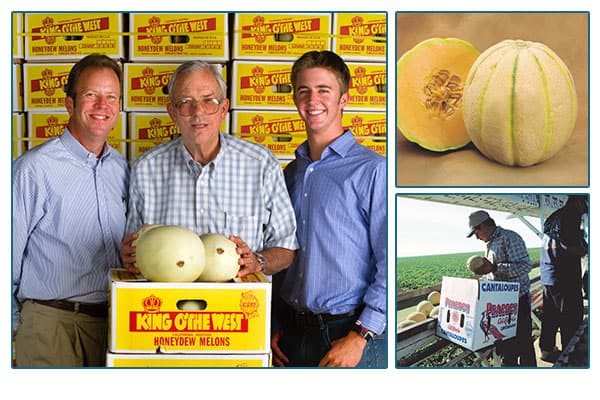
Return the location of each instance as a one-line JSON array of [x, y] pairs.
[[519, 103], [429, 81]]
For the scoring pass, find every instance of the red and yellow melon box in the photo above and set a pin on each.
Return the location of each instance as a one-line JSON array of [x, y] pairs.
[[269, 36], [147, 130], [43, 86], [280, 131], [70, 36], [368, 87], [369, 129], [144, 87], [44, 125], [262, 85], [259, 360], [360, 36], [147, 317], [178, 36]]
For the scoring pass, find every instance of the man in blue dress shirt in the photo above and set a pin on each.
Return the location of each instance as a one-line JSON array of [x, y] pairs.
[[69, 203], [330, 305]]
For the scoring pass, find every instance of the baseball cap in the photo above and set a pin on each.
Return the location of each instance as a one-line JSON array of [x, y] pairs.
[[475, 219]]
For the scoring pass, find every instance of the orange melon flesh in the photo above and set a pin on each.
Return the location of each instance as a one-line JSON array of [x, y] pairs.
[[430, 79]]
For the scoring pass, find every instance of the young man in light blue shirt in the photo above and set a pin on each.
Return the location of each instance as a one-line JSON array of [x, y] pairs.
[[330, 305]]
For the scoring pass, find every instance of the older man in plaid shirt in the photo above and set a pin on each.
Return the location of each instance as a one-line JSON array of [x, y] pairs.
[[506, 259]]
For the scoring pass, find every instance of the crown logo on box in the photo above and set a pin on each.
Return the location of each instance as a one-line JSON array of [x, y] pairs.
[[357, 120], [152, 304], [52, 121], [357, 21]]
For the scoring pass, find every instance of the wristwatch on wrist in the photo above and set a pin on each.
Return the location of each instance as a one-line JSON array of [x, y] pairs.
[[362, 331], [262, 261]]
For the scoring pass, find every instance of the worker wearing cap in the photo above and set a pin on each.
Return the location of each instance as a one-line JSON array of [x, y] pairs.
[[506, 259]]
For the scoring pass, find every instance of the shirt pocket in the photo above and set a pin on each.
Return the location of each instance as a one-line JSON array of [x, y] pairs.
[[248, 227]]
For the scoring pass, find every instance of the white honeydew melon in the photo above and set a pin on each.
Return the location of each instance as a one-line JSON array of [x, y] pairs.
[[434, 312], [425, 307], [417, 316], [170, 253], [221, 258], [404, 324], [434, 297], [143, 230]]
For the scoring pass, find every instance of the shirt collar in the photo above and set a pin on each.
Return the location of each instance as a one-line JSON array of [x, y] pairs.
[[194, 166], [74, 147], [340, 146]]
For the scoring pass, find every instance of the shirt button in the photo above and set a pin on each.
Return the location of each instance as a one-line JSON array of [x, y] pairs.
[[305, 194]]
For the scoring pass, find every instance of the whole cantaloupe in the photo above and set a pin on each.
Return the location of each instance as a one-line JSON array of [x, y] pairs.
[[519, 103], [475, 264], [170, 253], [434, 312], [429, 82], [404, 324]]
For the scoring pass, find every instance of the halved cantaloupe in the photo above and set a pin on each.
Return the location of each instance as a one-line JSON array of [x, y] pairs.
[[429, 81]]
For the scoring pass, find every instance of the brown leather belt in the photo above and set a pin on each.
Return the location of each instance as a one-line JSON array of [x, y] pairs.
[[306, 319], [91, 309]]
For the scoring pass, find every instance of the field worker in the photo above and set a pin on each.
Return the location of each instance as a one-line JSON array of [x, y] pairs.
[[212, 182], [330, 309], [69, 203], [506, 259], [562, 249]]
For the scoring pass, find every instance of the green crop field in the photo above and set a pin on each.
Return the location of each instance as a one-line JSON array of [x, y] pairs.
[[416, 272]]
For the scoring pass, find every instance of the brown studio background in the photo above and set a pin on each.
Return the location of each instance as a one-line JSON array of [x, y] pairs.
[[565, 33]]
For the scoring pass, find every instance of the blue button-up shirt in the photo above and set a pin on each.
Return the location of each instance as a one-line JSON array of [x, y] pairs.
[[68, 221], [241, 192], [340, 206]]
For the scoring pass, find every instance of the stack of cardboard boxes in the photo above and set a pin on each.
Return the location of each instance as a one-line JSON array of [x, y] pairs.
[[257, 55]]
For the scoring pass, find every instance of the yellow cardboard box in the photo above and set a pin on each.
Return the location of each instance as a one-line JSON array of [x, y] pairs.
[[145, 86], [147, 130], [280, 131], [147, 317], [44, 125], [71, 36], [262, 85], [43, 86], [368, 87], [178, 36], [369, 129], [17, 39], [269, 36], [18, 132], [17, 87], [188, 360], [360, 36]]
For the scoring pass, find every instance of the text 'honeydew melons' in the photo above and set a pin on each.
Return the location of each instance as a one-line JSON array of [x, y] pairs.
[[221, 258], [519, 104], [170, 253]]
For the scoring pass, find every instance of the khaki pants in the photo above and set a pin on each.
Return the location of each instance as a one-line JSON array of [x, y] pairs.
[[48, 336]]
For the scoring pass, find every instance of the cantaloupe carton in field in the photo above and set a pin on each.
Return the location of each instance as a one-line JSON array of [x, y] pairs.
[[477, 313]]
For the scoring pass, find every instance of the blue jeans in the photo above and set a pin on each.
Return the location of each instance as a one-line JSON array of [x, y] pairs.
[[305, 347]]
